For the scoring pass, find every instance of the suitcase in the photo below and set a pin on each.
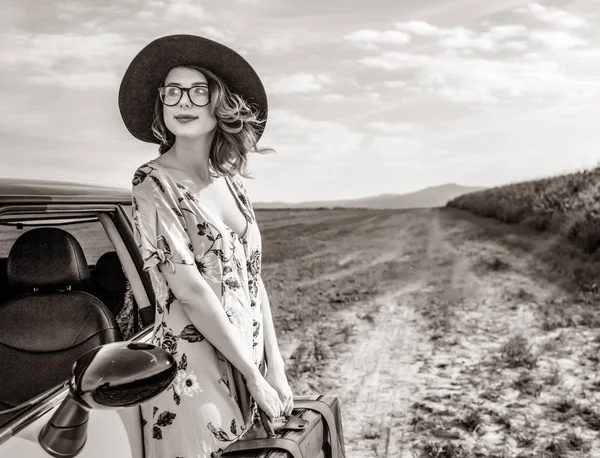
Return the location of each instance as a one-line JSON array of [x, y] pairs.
[[314, 430]]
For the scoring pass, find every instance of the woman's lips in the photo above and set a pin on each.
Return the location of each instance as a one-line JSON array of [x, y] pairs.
[[185, 118]]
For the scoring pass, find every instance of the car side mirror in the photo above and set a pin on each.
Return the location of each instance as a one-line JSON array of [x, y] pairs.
[[111, 376]]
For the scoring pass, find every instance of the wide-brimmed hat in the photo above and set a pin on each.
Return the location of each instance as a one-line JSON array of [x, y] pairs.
[[147, 71]]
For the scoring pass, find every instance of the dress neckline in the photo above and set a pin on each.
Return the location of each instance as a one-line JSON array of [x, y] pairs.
[[232, 190]]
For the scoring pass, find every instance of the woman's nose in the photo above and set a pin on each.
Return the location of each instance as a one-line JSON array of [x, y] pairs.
[[185, 100]]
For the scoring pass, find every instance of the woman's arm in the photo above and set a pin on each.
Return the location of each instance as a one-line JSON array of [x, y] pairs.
[[206, 313], [274, 359], [204, 310], [275, 365]]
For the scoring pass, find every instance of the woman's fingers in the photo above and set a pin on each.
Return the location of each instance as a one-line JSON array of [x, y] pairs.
[[275, 408], [288, 407], [267, 399]]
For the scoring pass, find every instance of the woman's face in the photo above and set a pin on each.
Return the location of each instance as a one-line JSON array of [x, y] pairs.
[[185, 119]]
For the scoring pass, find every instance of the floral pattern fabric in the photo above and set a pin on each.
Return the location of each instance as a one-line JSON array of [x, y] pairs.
[[125, 316], [200, 414]]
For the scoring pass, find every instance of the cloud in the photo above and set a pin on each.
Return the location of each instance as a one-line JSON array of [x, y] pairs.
[[553, 16], [472, 79], [419, 28], [461, 37], [391, 149], [392, 60], [303, 139], [88, 80], [395, 84], [370, 39], [184, 8], [465, 94], [492, 39], [216, 34], [392, 128], [498, 63], [557, 39], [133, 17], [302, 142], [268, 45], [44, 50], [516, 45], [181, 8], [503, 32], [70, 10], [299, 83], [334, 98], [72, 59]]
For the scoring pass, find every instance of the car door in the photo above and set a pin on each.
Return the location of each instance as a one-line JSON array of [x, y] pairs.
[[115, 433], [110, 433]]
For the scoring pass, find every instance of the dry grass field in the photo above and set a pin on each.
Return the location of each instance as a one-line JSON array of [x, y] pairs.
[[443, 333], [564, 204]]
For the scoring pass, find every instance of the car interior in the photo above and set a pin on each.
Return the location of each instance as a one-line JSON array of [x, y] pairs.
[[54, 307]]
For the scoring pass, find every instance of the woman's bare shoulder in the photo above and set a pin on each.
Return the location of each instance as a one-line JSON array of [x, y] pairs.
[[146, 168], [148, 176]]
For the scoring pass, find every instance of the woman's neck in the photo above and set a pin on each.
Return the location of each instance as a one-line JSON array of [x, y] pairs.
[[192, 155]]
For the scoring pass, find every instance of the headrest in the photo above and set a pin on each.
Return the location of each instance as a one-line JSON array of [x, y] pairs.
[[108, 273], [46, 256]]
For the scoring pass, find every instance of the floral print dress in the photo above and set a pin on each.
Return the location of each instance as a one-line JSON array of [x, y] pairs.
[[200, 414]]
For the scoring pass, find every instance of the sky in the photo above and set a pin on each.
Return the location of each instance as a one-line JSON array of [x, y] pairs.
[[365, 98]]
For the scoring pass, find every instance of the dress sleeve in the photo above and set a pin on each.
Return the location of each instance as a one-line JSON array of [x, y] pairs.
[[159, 226]]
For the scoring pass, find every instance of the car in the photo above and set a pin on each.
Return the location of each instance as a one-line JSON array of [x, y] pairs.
[[76, 319]]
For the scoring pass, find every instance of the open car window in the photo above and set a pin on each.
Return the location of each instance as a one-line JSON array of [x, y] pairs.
[[90, 235], [106, 284]]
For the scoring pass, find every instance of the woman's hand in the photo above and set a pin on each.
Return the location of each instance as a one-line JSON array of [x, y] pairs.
[[278, 380], [266, 397]]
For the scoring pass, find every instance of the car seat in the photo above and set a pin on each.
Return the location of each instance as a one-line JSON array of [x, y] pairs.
[[47, 325]]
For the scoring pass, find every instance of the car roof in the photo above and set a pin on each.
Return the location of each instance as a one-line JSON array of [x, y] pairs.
[[41, 191]]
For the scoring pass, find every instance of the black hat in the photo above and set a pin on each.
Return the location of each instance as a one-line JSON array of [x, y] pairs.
[[147, 71]]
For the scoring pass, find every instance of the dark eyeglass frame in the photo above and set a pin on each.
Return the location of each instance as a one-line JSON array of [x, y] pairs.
[[183, 90]]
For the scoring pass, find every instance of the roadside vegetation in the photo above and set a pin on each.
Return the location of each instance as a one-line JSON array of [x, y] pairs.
[[568, 205]]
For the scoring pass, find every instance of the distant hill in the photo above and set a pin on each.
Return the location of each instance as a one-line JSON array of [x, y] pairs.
[[436, 196]]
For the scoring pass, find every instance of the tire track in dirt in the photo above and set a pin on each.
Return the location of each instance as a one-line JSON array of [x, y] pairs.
[[379, 376], [423, 365], [376, 384], [377, 373]]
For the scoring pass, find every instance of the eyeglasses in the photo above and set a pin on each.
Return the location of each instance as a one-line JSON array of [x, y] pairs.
[[171, 95]]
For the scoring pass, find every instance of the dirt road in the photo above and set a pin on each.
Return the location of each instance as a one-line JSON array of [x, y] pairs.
[[442, 334]]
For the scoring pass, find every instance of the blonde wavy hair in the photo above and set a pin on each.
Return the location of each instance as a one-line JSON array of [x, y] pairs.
[[236, 133]]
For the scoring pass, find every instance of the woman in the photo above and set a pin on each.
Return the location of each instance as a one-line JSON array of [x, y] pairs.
[[197, 232]]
